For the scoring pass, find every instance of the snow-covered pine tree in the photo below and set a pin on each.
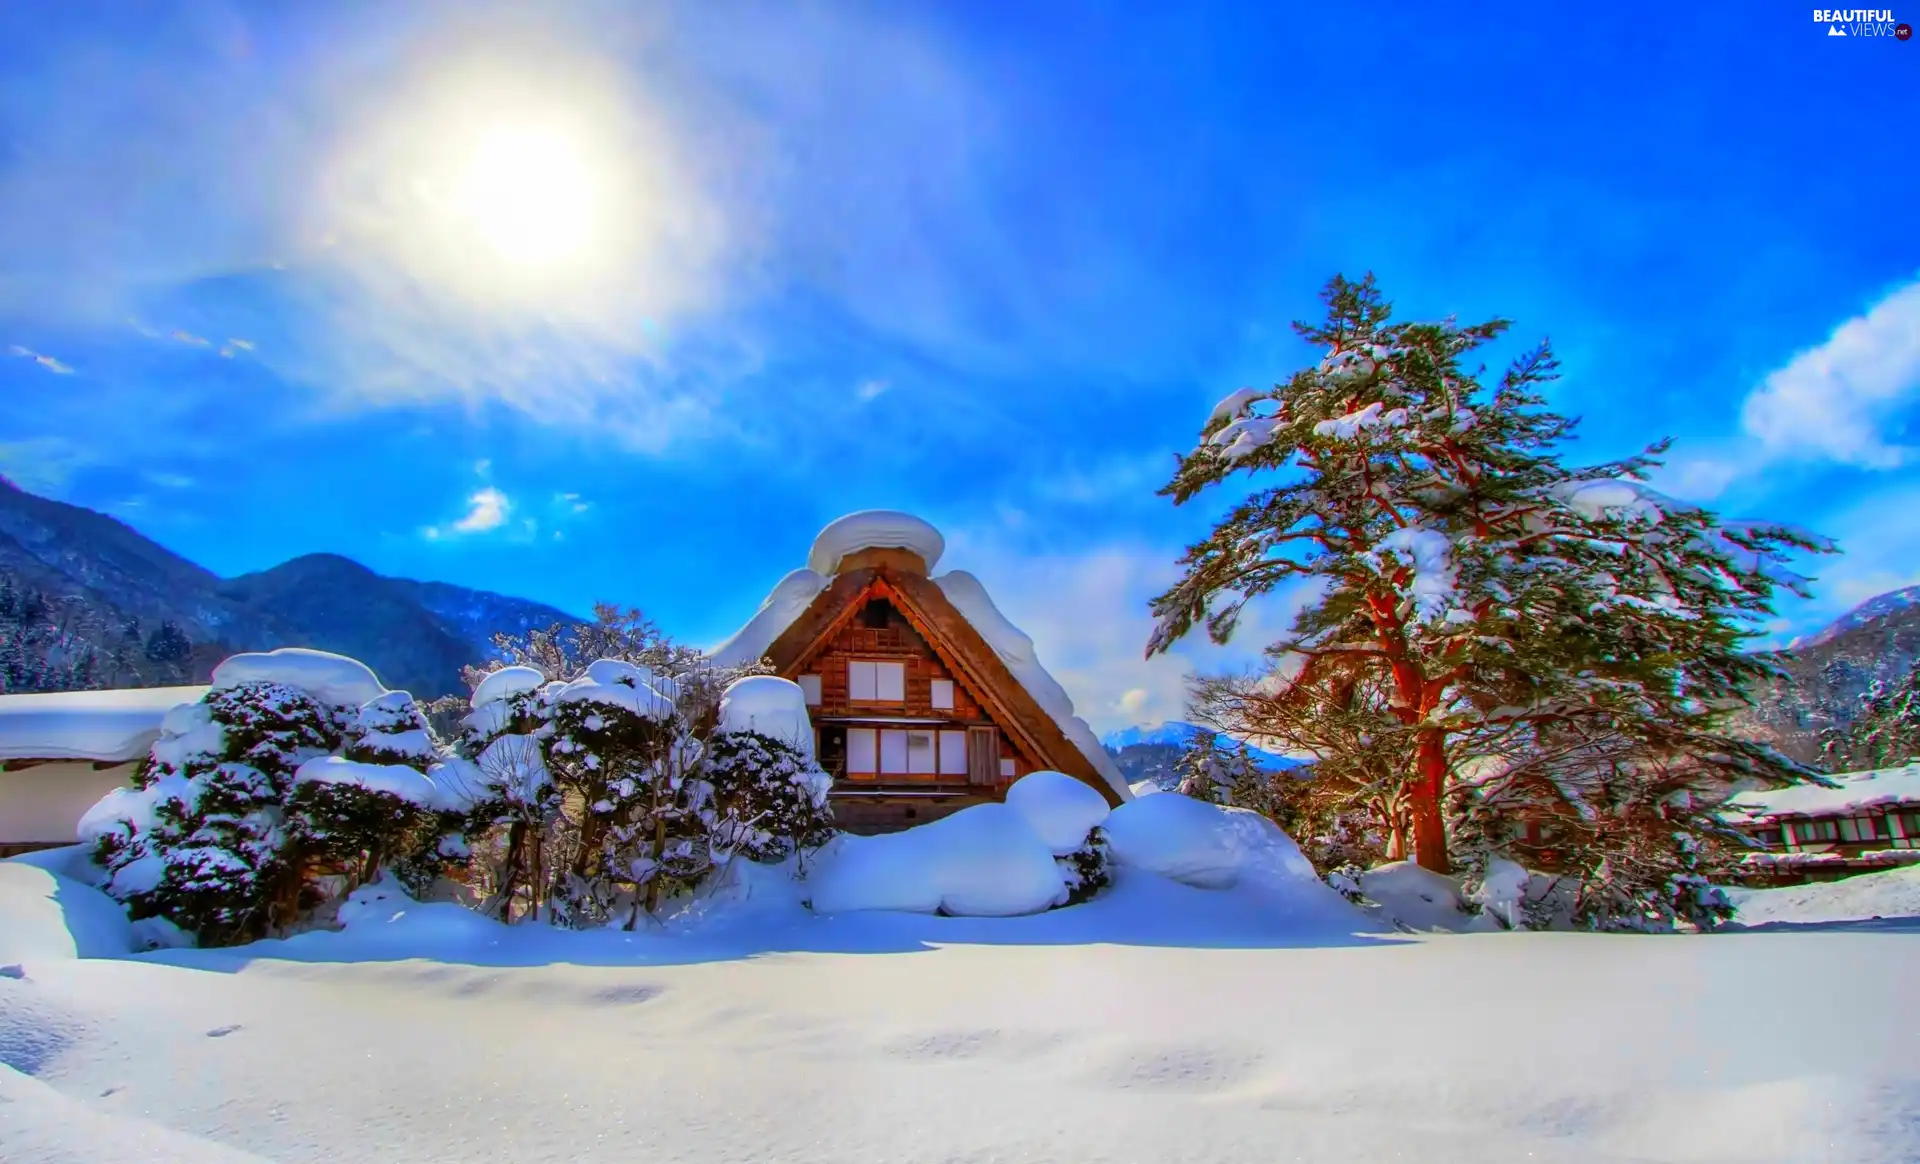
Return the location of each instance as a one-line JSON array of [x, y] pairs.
[[1483, 583], [201, 839]]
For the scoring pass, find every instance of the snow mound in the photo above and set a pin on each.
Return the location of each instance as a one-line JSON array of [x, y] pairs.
[[409, 784], [87, 725], [1202, 845], [1421, 901], [506, 683], [1059, 808], [1894, 893], [44, 916], [984, 861], [330, 678], [874, 529], [1145, 788], [772, 706], [1015, 649], [786, 604]]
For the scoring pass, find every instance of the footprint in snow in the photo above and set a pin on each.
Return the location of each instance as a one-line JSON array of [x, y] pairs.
[[222, 1032]]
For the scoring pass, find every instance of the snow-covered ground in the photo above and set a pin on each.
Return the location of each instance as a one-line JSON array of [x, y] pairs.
[[1161, 1022]]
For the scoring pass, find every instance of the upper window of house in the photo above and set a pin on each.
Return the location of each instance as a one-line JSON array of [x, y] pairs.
[[943, 693], [810, 687], [876, 682]]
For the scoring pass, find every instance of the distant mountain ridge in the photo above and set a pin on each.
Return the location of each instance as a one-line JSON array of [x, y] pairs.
[[415, 635]]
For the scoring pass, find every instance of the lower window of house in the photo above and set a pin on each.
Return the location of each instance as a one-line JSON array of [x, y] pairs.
[[908, 753]]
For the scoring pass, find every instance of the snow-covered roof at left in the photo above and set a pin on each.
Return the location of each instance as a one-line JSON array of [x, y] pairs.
[[106, 726]]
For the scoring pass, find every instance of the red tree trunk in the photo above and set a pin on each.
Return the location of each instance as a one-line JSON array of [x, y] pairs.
[[1429, 819]]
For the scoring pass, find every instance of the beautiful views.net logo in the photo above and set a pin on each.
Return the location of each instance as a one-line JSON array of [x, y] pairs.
[[1861, 22]]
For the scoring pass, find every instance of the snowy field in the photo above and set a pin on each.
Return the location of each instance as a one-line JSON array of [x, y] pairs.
[[1157, 1023]]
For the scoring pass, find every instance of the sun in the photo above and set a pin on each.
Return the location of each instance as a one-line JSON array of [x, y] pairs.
[[531, 194]]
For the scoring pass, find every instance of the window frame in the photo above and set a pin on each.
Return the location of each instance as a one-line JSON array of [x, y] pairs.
[[874, 669]]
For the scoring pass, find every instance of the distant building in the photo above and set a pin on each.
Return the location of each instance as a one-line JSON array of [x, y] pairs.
[[1807, 833], [61, 752]]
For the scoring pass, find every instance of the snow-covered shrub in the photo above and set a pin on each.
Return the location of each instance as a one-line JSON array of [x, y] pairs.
[[768, 798], [294, 779], [1087, 869]]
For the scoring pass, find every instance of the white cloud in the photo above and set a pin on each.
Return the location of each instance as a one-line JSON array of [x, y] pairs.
[[487, 510], [1834, 402], [482, 466], [872, 389], [169, 480]]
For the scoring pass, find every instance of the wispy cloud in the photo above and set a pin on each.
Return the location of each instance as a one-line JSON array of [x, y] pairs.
[[872, 389], [45, 361], [169, 480], [1837, 401]]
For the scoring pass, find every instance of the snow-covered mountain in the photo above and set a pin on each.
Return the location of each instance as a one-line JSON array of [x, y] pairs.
[[1149, 752], [113, 588], [1172, 732], [1860, 615]]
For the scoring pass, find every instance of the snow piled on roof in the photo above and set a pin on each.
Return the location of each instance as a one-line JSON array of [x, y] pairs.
[[1015, 649], [781, 610], [771, 706], [1855, 791], [87, 725], [328, 677], [874, 529]]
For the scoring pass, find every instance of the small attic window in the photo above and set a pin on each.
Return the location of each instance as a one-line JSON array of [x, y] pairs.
[[810, 689], [875, 615]]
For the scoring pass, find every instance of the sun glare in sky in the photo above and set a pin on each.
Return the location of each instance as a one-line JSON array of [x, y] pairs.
[[529, 193]]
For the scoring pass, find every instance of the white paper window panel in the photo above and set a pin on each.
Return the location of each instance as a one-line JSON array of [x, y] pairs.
[[860, 681], [862, 755], [953, 753], [943, 693], [877, 682], [1006, 768], [893, 752], [1847, 832], [810, 687], [922, 759]]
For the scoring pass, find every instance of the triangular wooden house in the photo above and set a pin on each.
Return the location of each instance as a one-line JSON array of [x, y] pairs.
[[924, 699]]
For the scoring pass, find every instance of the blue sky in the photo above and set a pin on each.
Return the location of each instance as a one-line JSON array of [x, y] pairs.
[[988, 264]]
